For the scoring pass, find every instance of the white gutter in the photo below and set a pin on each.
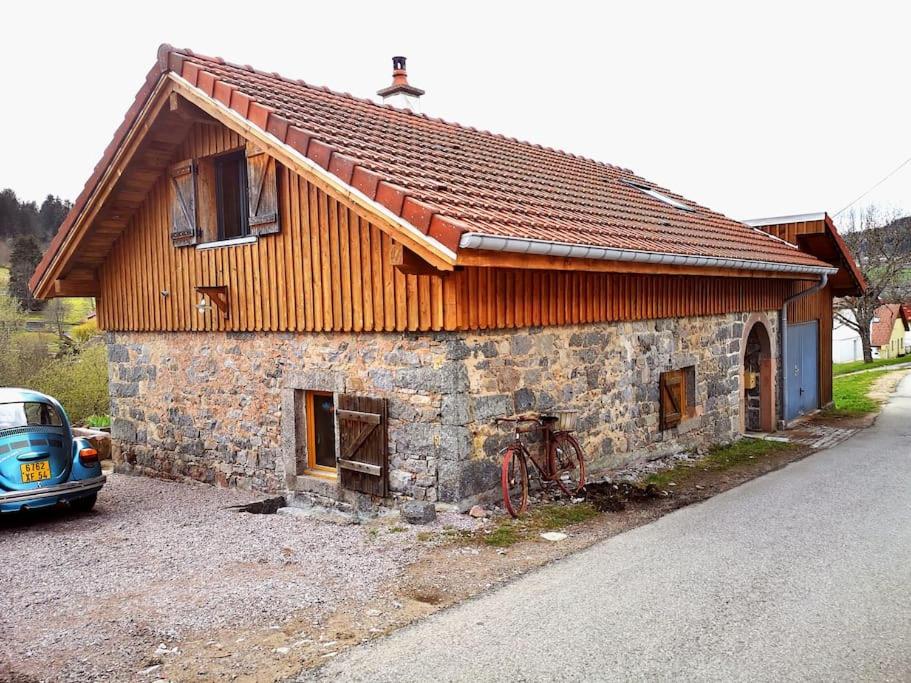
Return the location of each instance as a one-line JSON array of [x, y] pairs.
[[523, 245]]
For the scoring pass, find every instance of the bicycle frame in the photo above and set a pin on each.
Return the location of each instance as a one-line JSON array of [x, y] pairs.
[[548, 472]]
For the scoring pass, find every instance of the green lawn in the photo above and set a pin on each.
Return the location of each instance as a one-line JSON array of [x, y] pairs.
[[844, 368], [850, 393], [77, 308]]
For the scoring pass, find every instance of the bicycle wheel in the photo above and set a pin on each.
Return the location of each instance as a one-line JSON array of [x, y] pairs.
[[515, 481], [568, 463]]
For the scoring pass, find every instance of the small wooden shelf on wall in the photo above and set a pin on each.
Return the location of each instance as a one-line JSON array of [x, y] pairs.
[[218, 295]]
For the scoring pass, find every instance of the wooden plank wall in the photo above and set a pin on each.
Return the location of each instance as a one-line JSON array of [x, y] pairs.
[[818, 307], [790, 231], [329, 269], [490, 298]]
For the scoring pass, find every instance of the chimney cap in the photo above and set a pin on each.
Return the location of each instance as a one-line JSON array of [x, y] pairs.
[[400, 82]]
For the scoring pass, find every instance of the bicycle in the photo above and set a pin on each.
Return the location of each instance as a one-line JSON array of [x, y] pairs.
[[563, 461]]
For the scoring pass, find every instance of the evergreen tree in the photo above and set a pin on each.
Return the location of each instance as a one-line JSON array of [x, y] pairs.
[[24, 258]]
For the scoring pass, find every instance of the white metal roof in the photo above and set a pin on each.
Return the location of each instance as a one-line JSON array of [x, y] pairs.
[[775, 220]]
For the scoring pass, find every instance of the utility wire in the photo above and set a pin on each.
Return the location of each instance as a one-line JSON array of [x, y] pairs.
[[889, 175]]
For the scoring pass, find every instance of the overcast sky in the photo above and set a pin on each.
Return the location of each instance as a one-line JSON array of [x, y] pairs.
[[759, 110]]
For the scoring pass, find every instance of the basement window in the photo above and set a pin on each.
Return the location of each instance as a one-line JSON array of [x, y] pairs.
[[321, 456], [231, 195], [660, 196], [677, 396]]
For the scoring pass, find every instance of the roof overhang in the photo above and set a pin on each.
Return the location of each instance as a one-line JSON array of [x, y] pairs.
[[59, 274], [560, 250], [825, 243]]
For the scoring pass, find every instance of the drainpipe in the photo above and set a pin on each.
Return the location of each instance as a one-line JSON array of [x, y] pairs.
[[783, 317]]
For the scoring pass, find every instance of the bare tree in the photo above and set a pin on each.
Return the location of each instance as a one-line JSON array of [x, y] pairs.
[[878, 238]]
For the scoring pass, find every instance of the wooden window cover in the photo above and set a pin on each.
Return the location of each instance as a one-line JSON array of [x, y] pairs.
[[672, 389], [262, 189], [363, 457], [184, 224]]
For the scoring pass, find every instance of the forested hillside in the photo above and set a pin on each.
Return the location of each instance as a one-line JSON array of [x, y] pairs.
[[23, 218]]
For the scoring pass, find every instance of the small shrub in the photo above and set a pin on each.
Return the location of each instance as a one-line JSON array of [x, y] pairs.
[[79, 382], [85, 332]]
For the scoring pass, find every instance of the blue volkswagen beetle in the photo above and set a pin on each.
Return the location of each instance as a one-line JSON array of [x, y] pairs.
[[41, 463]]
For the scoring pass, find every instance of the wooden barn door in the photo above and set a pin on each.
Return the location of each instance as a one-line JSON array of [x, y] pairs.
[[362, 458]]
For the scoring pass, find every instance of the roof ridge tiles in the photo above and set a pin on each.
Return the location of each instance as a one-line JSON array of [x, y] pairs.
[[455, 124]]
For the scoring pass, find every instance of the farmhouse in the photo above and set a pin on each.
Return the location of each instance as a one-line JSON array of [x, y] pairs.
[[310, 293]]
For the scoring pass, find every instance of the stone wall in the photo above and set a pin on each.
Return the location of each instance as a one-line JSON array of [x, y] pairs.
[[208, 406], [215, 406], [609, 373]]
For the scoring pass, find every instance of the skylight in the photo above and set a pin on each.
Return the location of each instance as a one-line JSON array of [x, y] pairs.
[[654, 194]]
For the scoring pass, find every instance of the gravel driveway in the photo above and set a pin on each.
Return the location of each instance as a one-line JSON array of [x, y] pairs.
[[92, 596]]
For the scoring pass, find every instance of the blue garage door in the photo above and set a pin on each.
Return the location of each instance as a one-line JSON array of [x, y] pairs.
[[803, 368]]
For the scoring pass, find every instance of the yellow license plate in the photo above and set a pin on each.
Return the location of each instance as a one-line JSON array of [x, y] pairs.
[[35, 471]]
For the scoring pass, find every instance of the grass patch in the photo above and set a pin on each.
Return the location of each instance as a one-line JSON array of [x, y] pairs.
[[537, 520], [98, 421], [854, 366], [850, 393], [719, 458]]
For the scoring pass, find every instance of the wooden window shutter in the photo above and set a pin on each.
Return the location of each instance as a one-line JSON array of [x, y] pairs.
[[362, 461], [262, 192], [184, 225], [672, 398]]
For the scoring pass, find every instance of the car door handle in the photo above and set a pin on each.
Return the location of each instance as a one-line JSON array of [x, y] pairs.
[[33, 456]]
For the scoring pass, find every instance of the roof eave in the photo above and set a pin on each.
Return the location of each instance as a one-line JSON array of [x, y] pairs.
[[522, 245]]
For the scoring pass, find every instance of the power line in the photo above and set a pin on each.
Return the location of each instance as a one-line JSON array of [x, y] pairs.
[[889, 175]]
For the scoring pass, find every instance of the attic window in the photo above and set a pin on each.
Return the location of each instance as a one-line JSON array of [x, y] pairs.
[[231, 195], [654, 194]]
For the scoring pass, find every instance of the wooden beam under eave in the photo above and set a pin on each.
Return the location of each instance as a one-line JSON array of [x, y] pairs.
[[76, 288], [502, 259], [409, 263]]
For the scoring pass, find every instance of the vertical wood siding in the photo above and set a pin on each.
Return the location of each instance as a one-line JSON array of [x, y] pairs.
[[329, 269], [492, 298]]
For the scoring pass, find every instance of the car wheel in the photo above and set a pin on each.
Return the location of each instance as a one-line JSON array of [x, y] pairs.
[[84, 504]]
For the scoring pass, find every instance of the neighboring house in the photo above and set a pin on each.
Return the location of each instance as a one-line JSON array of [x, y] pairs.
[[311, 293], [889, 335], [906, 310], [887, 332], [846, 344]]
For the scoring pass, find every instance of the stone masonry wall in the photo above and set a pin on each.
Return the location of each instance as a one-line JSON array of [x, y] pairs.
[[609, 373], [208, 406]]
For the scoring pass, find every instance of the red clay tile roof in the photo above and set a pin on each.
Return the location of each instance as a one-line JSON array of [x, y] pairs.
[[448, 179], [881, 331]]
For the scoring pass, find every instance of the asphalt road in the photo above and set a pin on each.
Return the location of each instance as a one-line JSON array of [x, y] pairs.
[[803, 574]]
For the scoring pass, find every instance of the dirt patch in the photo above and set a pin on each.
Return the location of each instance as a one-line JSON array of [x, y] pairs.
[[611, 497], [885, 386]]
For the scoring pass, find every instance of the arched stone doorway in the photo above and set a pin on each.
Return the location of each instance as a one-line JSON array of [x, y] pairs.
[[758, 377]]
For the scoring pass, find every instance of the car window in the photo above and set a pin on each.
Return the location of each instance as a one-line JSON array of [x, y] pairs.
[[28, 414]]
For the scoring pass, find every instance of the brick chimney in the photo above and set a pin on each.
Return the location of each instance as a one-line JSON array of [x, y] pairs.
[[401, 93]]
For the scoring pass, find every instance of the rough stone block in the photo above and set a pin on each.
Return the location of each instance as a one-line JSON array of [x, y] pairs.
[[484, 408], [418, 511]]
